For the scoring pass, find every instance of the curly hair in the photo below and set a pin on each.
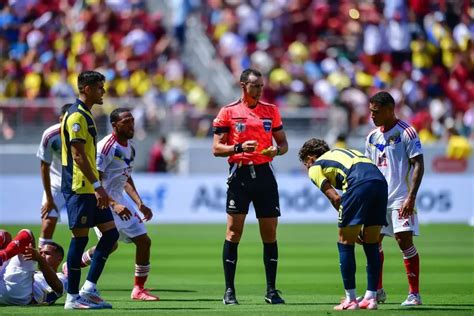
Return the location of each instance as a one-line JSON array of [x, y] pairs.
[[313, 147]]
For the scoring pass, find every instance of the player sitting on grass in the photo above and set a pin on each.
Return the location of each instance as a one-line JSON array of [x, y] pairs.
[[20, 284]]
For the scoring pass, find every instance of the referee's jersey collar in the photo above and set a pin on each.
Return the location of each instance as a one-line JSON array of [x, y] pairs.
[[84, 106]]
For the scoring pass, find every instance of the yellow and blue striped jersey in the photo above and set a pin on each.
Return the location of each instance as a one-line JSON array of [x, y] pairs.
[[343, 168], [78, 126]]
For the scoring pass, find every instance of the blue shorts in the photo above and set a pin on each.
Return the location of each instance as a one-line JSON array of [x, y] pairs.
[[364, 204], [82, 211]]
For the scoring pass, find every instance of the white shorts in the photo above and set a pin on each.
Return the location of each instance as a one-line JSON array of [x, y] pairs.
[[16, 281], [58, 198], [127, 229], [398, 225]]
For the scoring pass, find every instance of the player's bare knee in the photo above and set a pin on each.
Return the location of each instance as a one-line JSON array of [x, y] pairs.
[[233, 236], [404, 240], [143, 242]]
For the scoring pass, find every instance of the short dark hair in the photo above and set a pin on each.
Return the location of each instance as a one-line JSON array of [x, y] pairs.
[[87, 78], [313, 147], [244, 77], [382, 98], [115, 115], [57, 247], [65, 107]]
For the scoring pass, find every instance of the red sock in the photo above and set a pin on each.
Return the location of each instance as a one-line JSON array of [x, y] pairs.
[[141, 274], [380, 284], [412, 266], [5, 238], [17, 245]]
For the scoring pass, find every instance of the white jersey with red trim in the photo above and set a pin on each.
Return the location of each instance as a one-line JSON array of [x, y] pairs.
[[390, 151], [115, 161], [42, 292], [49, 151]]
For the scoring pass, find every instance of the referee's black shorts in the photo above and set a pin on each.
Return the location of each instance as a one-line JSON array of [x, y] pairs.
[[258, 186]]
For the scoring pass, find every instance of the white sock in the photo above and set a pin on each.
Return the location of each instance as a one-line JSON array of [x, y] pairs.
[[370, 294], [351, 294], [42, 241], [88, 286], [71, 297]]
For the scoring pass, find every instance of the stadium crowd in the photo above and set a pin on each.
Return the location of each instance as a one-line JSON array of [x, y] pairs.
[[335, 54], [45, 44], [329, 55]]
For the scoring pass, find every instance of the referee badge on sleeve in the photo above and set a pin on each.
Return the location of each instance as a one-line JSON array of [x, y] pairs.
[[267, 125], [76, 127]]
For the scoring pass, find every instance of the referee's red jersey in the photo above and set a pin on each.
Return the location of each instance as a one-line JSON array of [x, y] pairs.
[[243, 123]]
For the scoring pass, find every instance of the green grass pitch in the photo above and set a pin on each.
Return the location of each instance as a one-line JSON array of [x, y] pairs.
[[187, 273]]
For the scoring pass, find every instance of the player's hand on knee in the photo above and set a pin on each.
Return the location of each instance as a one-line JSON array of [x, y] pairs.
[[123, 212], [47, 207], [102, 198], [146, 211]]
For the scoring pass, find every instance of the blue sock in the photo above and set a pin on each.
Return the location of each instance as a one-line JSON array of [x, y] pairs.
[[101, 253], [373, 265], [74, 256], [348, 265]]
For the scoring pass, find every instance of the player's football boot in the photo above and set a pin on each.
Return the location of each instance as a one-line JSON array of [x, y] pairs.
[[229, 297], [273, 297], [142, 294], [347, 304], [412, 300], [381, 297], [5, 238], [80, 303], [370, 303], [94, 296]]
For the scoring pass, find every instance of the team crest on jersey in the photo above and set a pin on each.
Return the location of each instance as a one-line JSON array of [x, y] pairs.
[[240, 127], [76, 127], [394, 139], [267, 125]]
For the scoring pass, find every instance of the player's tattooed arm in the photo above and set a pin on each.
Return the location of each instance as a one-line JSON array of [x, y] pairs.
[[133, 193], [408, 206], [331, 194]]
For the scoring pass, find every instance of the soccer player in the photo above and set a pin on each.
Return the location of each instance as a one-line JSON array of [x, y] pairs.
[[115, 159], [361, 206], [244, 131], [20, 284], [87, 201], [396, 150], [49, 152]]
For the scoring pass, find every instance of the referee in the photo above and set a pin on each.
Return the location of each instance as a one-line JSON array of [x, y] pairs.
[[244, 131]]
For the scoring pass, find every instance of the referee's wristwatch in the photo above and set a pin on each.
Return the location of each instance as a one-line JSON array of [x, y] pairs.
[[97, 185]]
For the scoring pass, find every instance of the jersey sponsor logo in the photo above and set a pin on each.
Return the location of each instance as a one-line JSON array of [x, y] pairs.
[[76, 127], [240, 127], [267, 125]]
